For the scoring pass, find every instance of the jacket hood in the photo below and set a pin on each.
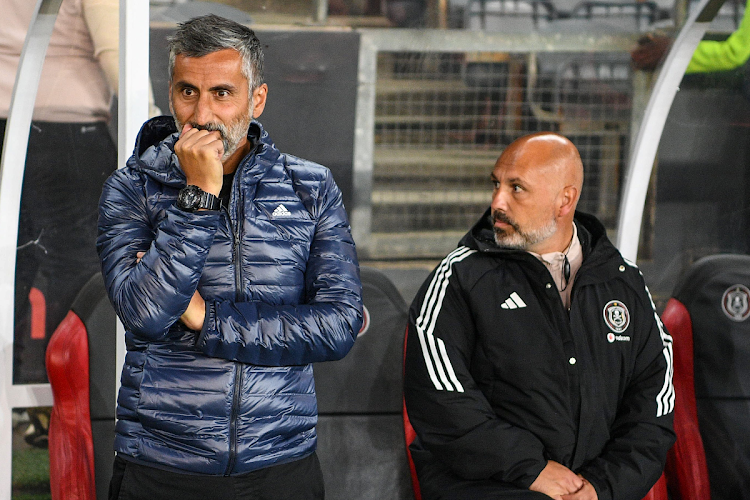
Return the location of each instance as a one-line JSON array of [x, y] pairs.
[[481, 236], [154, 149]]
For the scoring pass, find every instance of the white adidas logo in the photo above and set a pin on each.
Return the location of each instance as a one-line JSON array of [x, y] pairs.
[[513, 302], [281, 211]]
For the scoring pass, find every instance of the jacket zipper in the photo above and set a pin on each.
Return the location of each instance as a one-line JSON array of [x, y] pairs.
[[237, 366], [233, 419]]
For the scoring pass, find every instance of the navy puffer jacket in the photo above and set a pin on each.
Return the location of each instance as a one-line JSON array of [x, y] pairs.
[[279, 274]]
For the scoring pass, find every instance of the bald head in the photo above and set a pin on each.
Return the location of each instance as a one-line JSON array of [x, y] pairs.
[[550, 153], [538, 181]]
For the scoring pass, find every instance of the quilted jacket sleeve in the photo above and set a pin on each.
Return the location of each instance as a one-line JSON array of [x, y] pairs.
[[323, 328], [642, 432], [452, 417], [150, 295]]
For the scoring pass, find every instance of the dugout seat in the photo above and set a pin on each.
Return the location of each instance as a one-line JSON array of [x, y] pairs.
[[708, 320], [359, 403], [81, 369]]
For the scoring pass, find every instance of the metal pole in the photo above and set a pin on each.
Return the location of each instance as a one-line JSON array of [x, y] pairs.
[[132, 104], [321, 11]]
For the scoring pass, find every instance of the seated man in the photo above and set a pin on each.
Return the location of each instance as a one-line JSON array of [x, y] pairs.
[[536, 365]]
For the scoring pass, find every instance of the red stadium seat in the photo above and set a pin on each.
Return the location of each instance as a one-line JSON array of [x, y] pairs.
[[71, 446], [81, 370], [409, 436], [709, 319], [686, 463]]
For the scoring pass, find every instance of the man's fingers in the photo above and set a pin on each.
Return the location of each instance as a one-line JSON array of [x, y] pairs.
[[195, 140], [556, 480], [586, 492], [139, 256], [578, 482], [200, 155], [198, 137]]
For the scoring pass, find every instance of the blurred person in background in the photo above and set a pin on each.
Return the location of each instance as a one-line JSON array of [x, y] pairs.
[[709, 56], [70, 154]]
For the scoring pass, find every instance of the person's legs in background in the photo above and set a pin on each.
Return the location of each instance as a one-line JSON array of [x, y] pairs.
[[66, 166]]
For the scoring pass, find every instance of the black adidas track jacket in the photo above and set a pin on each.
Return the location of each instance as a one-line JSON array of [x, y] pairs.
[[499, 377]]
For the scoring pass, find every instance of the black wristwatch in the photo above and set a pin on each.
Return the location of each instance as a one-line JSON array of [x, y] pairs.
[[192, 198]]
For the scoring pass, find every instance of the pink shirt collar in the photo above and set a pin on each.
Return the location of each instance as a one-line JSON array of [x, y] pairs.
[[554, 262]]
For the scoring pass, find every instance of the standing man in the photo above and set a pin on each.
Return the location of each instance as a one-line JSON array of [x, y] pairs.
[[232, 267], [536, 365]]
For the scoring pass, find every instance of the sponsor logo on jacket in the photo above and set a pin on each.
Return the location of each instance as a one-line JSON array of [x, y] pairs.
[[617, 318], [281, 211]]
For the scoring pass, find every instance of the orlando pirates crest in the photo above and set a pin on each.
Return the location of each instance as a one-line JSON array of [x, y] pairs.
[[735, 303], [616, 316]]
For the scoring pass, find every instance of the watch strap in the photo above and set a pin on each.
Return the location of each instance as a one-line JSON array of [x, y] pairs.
[[209, 201], [192, 198]]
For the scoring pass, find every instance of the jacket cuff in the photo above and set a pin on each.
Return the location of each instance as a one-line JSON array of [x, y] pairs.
[[209, 323], [193, 225], [531, 475]]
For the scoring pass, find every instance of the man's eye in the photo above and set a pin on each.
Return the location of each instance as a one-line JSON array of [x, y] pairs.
[[517, 188], [222, 93], [188, 92], [495, 184]]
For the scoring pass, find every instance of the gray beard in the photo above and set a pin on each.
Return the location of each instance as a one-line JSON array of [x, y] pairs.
[[522, 240], [230, 136]]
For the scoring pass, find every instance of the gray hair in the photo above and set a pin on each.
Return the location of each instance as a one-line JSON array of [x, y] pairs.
[[205, 35]]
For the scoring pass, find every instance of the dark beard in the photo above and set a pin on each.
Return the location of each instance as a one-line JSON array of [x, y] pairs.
[[501, 217]]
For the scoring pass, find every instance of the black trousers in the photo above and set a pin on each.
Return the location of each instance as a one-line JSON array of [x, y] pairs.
[[437, 482], [298, 480], [66, 165]]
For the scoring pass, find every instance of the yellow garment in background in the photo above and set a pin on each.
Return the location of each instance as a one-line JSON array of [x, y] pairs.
[[729, 54]]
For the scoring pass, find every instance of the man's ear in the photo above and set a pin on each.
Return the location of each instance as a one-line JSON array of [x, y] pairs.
[[568, 200], [259, 100]]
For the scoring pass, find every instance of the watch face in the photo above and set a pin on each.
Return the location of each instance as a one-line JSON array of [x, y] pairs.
[[188, 197]]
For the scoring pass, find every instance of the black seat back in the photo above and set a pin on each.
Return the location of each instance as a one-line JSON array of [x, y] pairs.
[[360, 435], [93, 307]]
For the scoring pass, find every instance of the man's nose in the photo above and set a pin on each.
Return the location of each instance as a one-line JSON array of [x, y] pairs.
[[202, 113], [499, 200]]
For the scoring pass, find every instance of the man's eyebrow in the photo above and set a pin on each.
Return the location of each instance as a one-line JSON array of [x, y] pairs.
[[184, 85], [512, 180], [223, 86]]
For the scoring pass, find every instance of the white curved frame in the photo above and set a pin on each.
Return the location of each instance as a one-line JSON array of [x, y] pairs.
[[133, 111], [652, 126], [12, 166]]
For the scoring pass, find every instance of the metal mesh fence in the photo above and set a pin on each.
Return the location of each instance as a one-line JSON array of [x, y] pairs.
[[442, 119]]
